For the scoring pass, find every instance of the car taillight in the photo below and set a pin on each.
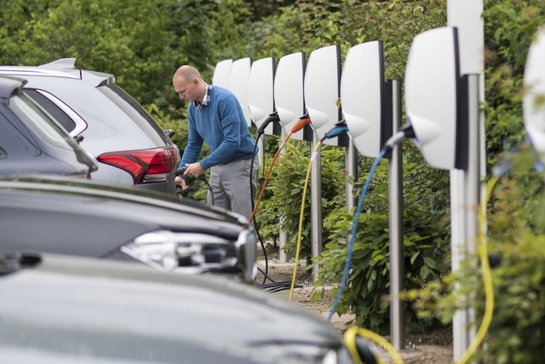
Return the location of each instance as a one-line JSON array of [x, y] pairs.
[[145, 165]]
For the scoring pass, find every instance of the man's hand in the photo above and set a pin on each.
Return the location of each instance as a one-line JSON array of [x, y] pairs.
[[193, 170], [181, 182]]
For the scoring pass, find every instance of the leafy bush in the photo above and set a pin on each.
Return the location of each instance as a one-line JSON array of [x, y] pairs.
[[516, 224], [516, 239]]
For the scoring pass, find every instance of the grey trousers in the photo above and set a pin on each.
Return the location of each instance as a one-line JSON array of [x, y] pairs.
[[230, 186]]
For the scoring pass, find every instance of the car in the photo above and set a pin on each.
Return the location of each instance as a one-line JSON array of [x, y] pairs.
[[130, 146], [32, 142], [60, 309], [88, 218]]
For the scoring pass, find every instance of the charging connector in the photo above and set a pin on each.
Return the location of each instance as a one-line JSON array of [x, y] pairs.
[[272, 118]]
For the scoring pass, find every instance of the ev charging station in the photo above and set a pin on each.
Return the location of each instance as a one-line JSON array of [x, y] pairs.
[[260, 96], [322, 96], [443, 108], [290, 105], [222, 71], [260, 92], [372, 110], [533, 105], [288, 91], [238, 84]]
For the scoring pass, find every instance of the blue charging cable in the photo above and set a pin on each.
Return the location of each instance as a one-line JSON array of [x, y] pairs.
[[353, 233], [406, 132]]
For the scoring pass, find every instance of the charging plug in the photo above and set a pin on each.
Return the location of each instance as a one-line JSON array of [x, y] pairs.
[[303, 120], [339, 128], [180, 173], [273, 118]]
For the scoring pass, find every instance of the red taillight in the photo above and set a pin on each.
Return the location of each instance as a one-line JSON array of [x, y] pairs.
[[145, 165]]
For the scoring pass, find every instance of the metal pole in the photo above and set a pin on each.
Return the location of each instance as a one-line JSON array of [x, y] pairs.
[[466, 15], [316, 204], [473, 175], [351, 167], [395, 192], [462, 330], [283, 235], [457, 199]]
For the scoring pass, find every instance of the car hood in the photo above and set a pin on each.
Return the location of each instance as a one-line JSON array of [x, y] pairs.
[[117, 192], [68, 216], [106, 309]]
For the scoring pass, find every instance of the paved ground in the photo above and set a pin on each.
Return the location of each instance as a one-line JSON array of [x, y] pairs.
[[418, 351]]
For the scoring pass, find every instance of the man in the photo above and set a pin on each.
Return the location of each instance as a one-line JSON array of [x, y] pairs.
[[215, 117]]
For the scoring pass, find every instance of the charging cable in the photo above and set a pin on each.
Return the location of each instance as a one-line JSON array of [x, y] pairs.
[[338, 129], [406, 132], [179, 191], [298, 126], [272, 118], [354, 233], [350, 340], [301, 217], [486, 272]]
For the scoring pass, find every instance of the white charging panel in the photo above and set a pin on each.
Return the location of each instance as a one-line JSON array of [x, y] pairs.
[[361, 96], [288, 91], [260, 92], [431, 79], [322, 83], [238, 84]]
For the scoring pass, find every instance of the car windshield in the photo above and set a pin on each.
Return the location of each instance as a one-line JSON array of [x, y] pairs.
[[39, 121]]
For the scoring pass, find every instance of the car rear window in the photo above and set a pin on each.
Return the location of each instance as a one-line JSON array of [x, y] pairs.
[[64, 120], [37, 120], [135, 111]]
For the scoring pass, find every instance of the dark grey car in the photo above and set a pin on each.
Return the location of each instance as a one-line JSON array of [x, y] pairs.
[[31, 141], [58, 309], [129, 144], [86, 218]]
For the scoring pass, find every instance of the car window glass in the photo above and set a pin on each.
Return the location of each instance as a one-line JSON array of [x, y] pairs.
[[60, 116], [15, 139], [135, 111], [36, 119]]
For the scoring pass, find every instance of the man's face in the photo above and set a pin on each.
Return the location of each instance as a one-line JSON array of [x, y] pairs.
[[187, 90]]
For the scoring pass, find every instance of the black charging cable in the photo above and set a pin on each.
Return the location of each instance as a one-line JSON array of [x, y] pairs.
[[180, 192], [260, 131]]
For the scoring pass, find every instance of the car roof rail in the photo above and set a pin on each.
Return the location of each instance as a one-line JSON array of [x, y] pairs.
[[62, 63]]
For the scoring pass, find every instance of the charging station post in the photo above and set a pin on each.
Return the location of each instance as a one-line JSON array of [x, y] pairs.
[[395, 200]]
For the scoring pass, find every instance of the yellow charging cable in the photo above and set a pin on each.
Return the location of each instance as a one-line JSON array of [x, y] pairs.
[[350, 340], [487, 275], [301, 217]]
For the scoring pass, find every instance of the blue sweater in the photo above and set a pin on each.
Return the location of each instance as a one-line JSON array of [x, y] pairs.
[[221, 124]]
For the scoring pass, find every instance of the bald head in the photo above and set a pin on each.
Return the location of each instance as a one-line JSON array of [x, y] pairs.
[[188, 84], [188, 73]]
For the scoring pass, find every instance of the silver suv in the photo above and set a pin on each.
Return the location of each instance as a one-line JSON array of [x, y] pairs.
[[130, 146]]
